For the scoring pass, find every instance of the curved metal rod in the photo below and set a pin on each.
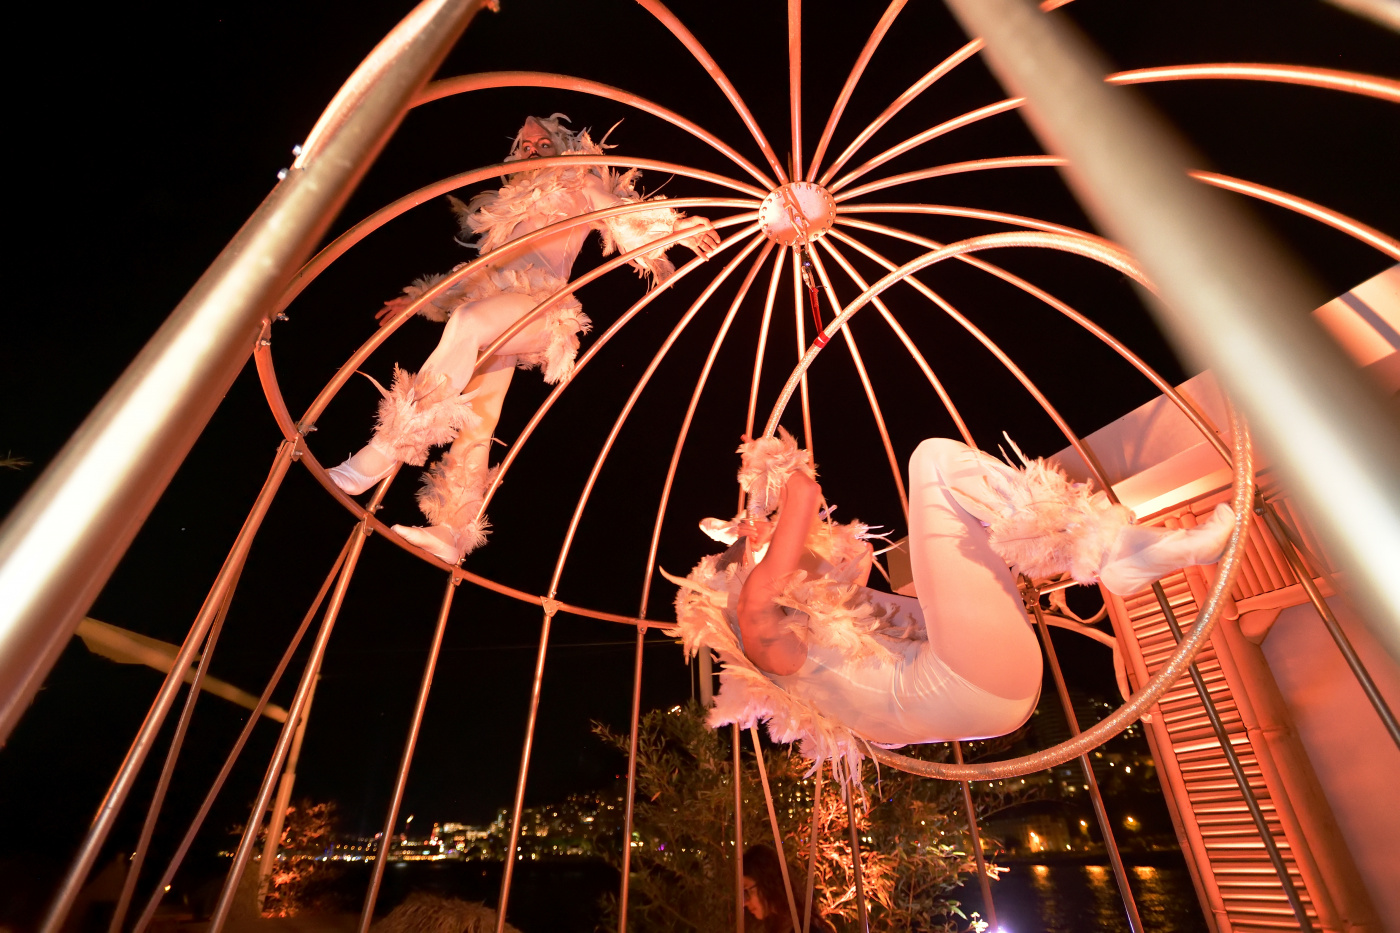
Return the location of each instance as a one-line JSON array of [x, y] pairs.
[[857, 70], [1332, 218], [794, 8], [684, 432], [1130, 712], [865, 384], [1349, 82], [650, 568], [1345, 81], [449, 87], [1197, 418], [913, 142], [903, 336], [762, 345], [899, 103], [563, 558], [952, 168], [946, 210], [677, 28], [1102, 251], [584, 360], [253, 718], [341, 244], [1369, 235], [393, 322], [122, 781], [631, 402]]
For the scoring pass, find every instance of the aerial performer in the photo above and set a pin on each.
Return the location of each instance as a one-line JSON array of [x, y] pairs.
[[451, 399], [823, 658]]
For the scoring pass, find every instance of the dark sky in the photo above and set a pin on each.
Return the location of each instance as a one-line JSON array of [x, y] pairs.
[[150, 132]]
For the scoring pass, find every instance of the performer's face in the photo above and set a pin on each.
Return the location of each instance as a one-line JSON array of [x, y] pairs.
[[535, 143]]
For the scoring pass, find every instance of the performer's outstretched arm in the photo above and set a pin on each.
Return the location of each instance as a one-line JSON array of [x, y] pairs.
[[770, 639]]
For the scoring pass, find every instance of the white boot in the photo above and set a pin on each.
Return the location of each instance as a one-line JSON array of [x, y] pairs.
[[1143, 555], [441, 541], [362, 470]]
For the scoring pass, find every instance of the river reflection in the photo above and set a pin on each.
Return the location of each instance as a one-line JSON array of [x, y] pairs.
[[1069, 898]]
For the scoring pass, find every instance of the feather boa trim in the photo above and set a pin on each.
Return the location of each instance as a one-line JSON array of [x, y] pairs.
[[452, 493], [1046, 525], [767, 464], [412, 420], [553, 194], [837, 618]]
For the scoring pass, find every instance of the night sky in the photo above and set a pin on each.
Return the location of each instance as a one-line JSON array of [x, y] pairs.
[[148, 133]]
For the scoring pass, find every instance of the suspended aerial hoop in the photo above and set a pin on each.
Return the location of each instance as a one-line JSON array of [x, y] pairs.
[[773, 218]]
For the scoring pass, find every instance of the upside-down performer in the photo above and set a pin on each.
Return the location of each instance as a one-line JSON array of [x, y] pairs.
[[444, 402], [822, 657]]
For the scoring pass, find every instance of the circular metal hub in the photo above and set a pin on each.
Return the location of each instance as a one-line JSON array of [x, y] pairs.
[[796, 213]]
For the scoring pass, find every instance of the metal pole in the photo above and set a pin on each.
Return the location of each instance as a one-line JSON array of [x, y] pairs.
[[812, 854], [1231, 300], [148, 828], [401, 781], [773, 821], [631, 778], [145, 738], [1266, 835], [1300, 570], [294, 712], [1120, 874], [738, 834], [513, 839], [60, 544], [277, 815], [977, 846], [855, 858], [237, 749]]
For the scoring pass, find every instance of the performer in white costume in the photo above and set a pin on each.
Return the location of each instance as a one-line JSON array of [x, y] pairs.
[[431, 408], [823, 658]]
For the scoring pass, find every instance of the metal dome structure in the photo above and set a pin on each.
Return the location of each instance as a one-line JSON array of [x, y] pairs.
[[812, 219]]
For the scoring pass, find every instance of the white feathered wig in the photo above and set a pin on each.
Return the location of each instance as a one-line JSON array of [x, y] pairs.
[[564, 140]]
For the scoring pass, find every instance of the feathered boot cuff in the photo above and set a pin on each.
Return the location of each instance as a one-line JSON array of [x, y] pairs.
[[767, 464], [413, 418], [1047, 525], [452, 493]]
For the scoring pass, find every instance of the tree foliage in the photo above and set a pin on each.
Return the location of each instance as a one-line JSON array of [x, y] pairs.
[[914, 850]]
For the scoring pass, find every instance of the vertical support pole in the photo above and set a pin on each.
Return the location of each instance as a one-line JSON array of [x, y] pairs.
[[277, 816], [294, 712], [144, 920], [976, 836], [167, 771], [145, 738], [401, 781], [513, 839], [855, 858], [812, 853], [1120, 874], [1265, 834], [794, 18], [773, 821], [632, 778], [1300, 570], [738, 834]]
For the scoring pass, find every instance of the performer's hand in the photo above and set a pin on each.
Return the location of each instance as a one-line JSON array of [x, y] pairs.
[[758, 531], [706, 239], [391, 307]]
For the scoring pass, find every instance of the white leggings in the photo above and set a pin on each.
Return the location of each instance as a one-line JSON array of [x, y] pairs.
[[473, 327], [974, 614]]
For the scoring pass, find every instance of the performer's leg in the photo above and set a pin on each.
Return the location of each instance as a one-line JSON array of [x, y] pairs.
[[443, 376], [976, 622], [454, 487]]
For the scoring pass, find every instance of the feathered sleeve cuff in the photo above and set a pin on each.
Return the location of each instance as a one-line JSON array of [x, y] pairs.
[[627, 232], [439, 309], [767, 464]]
